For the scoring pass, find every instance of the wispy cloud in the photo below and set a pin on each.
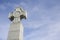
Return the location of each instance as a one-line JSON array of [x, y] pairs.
[[51, 32]]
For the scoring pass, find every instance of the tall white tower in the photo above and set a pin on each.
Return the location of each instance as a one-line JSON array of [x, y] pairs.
[[16, 28]]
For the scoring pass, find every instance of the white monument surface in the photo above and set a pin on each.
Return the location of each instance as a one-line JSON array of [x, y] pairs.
[[16, 28]]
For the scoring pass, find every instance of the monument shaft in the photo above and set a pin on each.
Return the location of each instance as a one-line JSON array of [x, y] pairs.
[[16, 31]]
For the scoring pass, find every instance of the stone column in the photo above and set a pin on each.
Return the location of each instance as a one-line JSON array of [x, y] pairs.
[[16, 28]]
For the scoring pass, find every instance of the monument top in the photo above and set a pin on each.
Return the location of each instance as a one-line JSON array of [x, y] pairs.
[[18, 9], [17, 15]]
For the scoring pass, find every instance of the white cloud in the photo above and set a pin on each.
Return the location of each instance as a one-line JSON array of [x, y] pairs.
[[52, 33], [33, 24]]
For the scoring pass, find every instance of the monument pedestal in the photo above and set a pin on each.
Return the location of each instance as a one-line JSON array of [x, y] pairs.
[[16, 31]]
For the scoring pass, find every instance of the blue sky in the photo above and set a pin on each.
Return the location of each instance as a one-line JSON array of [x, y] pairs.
[[42, 23]]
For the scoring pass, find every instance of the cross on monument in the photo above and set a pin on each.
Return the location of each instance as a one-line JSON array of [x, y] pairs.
[[16, 27]]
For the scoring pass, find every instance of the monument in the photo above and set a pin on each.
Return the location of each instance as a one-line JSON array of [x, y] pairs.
[[16, 27]]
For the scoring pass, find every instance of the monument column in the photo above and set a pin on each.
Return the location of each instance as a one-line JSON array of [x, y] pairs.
[[16, 27]]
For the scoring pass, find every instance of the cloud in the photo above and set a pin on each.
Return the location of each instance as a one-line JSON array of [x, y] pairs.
[[51, 33], [34, 24], [45, 22]]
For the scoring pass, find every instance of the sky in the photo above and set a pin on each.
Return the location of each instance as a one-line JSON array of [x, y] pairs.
[[43, 18]]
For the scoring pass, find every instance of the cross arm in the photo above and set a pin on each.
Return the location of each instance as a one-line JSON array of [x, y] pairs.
[[11, 17], [24, 15]]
